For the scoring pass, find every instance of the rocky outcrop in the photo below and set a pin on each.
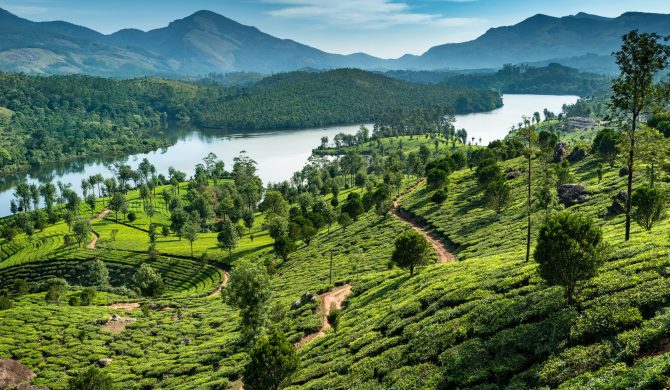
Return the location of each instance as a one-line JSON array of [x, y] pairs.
[[571, 194], [577, 154], [13, 375], [306, 297], [104, 362], [511, 173], [560, 152], [618, 203]]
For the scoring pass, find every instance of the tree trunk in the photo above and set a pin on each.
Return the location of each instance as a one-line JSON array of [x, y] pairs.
[[631, 160], [529, 204]]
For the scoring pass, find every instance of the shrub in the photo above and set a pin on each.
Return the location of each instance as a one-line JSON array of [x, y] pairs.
[[5, 303], [272, 362], [132, 216], [149, 281], [86, 296], [91, 378], [440, 195]]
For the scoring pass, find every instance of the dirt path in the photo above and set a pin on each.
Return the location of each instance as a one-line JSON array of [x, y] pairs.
[[444, 256], [223, 284], [330, 300], [125, 306], [96, 236]]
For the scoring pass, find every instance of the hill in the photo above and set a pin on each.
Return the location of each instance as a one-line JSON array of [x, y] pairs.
[[312, 99], [57, 118], [553, 79], [486, 321]]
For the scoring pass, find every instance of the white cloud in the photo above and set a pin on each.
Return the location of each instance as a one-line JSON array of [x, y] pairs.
[[26, 9], [370, 14]]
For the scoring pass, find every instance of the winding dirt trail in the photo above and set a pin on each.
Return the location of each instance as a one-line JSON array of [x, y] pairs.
[[96, 236], [330, 300], [222, 285], [444, 256]]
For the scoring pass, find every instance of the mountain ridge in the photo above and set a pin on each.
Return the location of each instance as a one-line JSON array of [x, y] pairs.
[[207, 42]]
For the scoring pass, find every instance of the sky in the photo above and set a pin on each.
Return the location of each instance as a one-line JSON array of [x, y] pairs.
[[384, 28]]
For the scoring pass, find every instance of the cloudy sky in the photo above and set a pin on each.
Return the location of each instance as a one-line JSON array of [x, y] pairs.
[[385, 28]]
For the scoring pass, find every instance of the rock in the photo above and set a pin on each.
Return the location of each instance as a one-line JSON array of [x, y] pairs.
[[511, 173], [623, 172], [618, 203], [26, 386], [186, 341], [306, 297], [571, 194], [13, 374], [560, 152], [577, 154], [104, 362]]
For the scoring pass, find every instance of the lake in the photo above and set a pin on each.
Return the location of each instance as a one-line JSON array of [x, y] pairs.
[[278, 153]]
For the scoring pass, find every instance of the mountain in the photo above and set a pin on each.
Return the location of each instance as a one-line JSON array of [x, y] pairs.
[[206, 42], [542, 38], [198, 44]]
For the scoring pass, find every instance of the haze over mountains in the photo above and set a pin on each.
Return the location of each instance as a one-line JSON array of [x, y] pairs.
[[207, 42]]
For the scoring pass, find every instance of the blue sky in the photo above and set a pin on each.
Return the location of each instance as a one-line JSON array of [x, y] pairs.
[[385, 28]]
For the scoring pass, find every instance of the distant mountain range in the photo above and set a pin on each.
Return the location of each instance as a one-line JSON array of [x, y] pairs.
[[207, 42]]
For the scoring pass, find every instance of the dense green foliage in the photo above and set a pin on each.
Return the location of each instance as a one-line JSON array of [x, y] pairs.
[[272, 361], [554, 79], [47, 119], [312, 99]]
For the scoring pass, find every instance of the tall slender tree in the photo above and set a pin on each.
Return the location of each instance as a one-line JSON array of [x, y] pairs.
[[641, 56]]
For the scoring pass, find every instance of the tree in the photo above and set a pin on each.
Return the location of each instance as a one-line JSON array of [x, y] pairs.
[[82, 228], [272, 362], [97, 274], [118, 203], [528, 138], [277, 226], [648, 206], [56, 293], [353, 206], [653, 149], [227, 237], [641, 56], [344, 220], [149, 281], [91, 379], [334, 318], [569, 249], [249, 291], [190, 232], [248, 218], [497, 195], [606, 145], [436, 178], [411, 250], [91, 201], [284, 246]]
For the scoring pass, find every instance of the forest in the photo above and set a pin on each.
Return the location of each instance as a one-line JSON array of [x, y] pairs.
[[553, 79], [48, 119]]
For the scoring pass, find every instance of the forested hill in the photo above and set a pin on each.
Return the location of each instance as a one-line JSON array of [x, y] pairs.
[[48, 119], [553, 79], [308, 99]]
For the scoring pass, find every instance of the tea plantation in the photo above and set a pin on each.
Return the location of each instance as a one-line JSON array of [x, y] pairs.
[[487, 321]]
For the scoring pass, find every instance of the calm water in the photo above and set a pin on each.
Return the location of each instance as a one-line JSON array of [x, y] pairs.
[[278, 153]]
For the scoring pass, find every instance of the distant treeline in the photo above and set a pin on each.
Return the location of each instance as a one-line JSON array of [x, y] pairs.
[[554, 79], [48, 119]]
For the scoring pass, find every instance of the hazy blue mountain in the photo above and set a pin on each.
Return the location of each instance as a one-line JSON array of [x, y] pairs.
[[542, 38], [206, 42]]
